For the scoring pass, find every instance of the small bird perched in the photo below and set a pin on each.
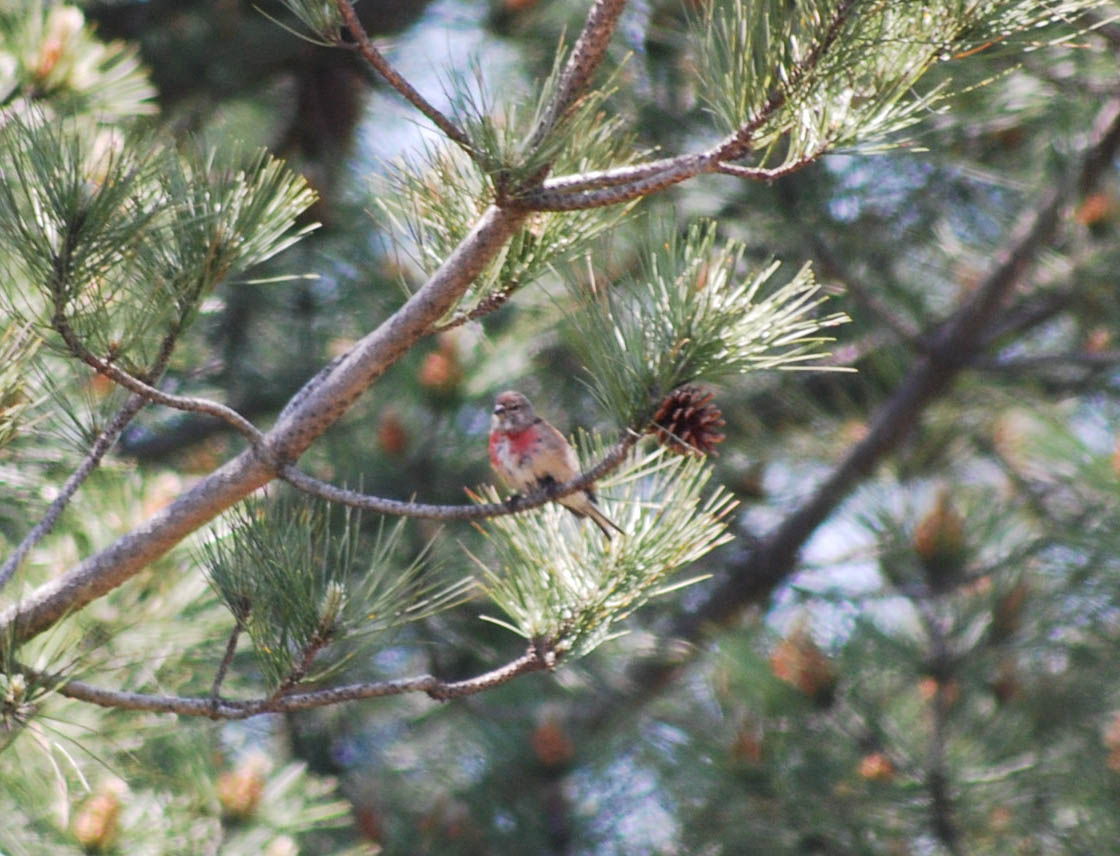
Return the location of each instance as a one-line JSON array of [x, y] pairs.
[[526, 452]]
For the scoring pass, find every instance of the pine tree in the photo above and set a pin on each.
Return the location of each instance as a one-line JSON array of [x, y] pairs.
[[852, 611]]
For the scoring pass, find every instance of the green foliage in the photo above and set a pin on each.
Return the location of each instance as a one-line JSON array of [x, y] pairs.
[[17, 704], [437, 198], [300, 581], [320, 17], [506, 136], [122, 237], [184, 808], [1017, 616], [17, 346], [559, 581], [691, 314], [225, 216], [435, 201], [49, 55], [76, 202], [838, 75]]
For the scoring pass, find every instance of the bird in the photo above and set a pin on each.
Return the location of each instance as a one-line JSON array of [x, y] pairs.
[[527, 453]]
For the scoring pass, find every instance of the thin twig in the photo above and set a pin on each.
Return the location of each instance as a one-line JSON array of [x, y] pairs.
[[92, 460], [101, 445], [399, 508], [757, 173], [539, 657], [317, 643], [937, 779], [376, 59], [134, 384], [491, 303], [1026, 315], [632, 173], [223, 667]]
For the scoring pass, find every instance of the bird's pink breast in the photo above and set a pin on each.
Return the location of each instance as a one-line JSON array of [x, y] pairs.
[[506, 447]]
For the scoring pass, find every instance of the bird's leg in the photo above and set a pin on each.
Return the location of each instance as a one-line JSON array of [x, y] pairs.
[[548, 485]]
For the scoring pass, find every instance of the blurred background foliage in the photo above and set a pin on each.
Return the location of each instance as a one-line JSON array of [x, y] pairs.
[[938, 676]]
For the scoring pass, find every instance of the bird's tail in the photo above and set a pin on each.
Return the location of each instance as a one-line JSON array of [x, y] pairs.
[[603, 522]]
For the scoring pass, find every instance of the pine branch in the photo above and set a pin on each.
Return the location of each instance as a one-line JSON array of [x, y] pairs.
[[100, 447], [612, 177], [287, 440], [139, 387], [767, 174], [376, 59], [317, 643], [611, 187], [223, 666], [91, 461], [954, 346], [491, 303], [740, 142], [672, 171], [513, 505], [539, 657], [941, 805], [586, 57], [1027, 315]]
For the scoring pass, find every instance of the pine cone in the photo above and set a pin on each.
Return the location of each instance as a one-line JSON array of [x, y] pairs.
[[687, 422]]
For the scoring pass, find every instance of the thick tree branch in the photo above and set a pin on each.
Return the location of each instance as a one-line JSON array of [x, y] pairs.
[[613, 177], [675, 170], [539, 657]]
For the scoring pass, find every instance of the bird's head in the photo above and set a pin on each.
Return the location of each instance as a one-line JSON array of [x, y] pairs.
[[512, 412]]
